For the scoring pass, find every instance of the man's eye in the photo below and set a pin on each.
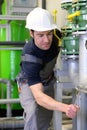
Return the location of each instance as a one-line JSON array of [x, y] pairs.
[[41, 35], [50, 33]]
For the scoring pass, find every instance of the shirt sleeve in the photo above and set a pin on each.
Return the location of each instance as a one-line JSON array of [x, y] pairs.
[[32, 72]]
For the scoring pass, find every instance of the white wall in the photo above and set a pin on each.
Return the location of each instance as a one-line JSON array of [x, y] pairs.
[[61, 14]]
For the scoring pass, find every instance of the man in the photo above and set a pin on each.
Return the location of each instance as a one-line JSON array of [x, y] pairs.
[[36, 78]]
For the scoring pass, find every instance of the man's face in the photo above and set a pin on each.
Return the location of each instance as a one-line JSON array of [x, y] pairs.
[[43, 39]]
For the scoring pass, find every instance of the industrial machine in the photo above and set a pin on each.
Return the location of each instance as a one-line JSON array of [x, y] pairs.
[[73, 72], [71, 76]]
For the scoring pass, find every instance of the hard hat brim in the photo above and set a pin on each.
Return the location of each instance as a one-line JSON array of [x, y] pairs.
[[35, 28]]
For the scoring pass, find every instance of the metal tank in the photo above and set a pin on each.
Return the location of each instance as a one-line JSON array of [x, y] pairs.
[[67, 74], [73, 71], [81, 31]]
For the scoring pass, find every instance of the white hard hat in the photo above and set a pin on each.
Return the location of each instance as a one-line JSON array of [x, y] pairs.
[[40, 20]]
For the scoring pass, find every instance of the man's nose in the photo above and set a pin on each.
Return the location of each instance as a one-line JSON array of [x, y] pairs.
[[46, 38]]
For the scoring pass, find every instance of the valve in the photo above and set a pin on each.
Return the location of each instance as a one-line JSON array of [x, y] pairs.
[[71, 16]]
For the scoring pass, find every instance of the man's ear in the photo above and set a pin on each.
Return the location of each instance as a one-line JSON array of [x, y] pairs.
[[31, 33]]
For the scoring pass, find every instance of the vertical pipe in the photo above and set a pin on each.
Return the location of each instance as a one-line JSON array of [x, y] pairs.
[[82, 114], [73, 70], [83, 60], [57, 122]]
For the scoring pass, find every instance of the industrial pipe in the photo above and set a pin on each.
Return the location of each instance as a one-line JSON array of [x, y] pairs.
[[73, 65], [9, 101], [83, 60], [12, 43]]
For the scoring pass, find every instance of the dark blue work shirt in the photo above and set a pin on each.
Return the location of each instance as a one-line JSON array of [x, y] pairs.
[[39, 64]]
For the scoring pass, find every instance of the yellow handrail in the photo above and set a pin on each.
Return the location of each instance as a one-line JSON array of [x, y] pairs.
[[59, 40]]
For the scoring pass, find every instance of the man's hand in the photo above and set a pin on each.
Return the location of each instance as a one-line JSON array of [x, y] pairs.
[[72, 110]]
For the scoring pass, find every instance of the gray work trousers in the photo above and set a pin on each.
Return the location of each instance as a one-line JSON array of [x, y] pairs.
[[35, 116]]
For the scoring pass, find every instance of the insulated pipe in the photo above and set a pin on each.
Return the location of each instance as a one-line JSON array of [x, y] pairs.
[[83, 60], [73, 65]]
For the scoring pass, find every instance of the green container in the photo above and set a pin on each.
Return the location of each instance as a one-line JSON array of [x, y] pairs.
[[10, 59], [2, 31], [9, 68], [4, 9], [18, 31]]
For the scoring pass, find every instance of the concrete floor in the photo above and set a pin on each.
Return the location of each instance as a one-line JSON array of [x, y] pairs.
[[67, 127], [64, 127]]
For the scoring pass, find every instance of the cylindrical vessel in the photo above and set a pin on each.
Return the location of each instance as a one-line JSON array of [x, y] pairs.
[[18, 31], [83, 60], [10, 58], [9, 68]]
